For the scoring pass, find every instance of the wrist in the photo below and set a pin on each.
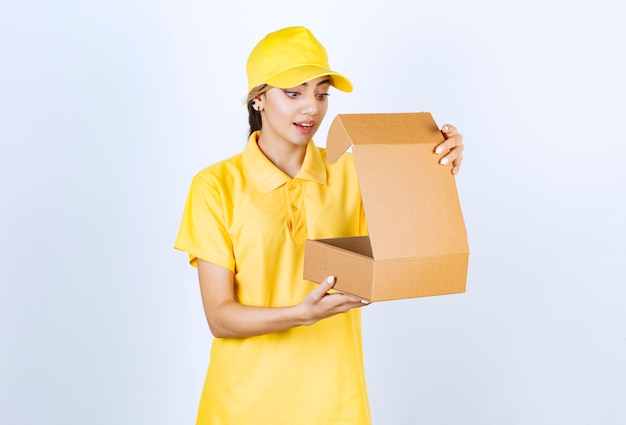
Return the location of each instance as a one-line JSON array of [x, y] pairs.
[[300, 316]]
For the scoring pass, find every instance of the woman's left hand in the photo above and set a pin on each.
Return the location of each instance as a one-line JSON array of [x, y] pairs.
[[452, 148]]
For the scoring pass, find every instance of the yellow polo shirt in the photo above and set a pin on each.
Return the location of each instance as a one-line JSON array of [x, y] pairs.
[[245, 214]]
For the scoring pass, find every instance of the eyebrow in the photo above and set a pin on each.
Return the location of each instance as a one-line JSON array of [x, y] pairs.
[[321, 83]]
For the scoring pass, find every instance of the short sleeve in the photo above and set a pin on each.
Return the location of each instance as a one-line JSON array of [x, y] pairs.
[[203, 233]]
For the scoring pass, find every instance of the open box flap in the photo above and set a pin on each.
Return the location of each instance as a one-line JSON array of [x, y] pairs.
[[366, 129], [410, 200]]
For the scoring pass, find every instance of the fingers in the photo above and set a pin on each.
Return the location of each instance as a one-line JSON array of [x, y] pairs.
[[456, 163], [345, 302], [449, 129], [452, 148], [322, 289], [452, 138], [329, 283], [335, 300], [320, 304]]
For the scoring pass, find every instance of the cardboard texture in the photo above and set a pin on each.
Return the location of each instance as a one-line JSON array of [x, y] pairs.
[[417, 244]]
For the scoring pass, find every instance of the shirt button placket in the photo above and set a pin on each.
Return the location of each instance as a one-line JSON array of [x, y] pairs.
[[294, 195]]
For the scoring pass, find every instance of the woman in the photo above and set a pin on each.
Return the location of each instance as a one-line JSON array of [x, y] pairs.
[[285, 351]]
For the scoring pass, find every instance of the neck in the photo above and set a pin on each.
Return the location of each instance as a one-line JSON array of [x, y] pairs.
[[288, 158]]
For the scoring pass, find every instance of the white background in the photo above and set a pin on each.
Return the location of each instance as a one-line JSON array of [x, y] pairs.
[[107, 109]]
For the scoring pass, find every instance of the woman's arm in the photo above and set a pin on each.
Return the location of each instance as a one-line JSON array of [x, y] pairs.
[[228, 318]]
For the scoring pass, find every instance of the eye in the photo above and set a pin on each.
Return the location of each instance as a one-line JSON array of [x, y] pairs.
[[322, 96], [291, 94]]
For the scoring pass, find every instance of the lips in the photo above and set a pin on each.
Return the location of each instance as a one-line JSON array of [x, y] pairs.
[[305, 127]]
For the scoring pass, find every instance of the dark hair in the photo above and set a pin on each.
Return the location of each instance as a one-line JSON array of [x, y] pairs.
[[254, 118]]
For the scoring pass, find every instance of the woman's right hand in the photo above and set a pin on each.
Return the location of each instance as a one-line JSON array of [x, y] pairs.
[[320, 304]]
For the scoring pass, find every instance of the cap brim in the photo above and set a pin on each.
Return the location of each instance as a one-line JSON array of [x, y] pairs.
[[301, 74]]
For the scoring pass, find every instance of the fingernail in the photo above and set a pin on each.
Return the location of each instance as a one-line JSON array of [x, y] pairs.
[[330, 279], [438, 150], [365, 301], [445, 128], [443, 161]]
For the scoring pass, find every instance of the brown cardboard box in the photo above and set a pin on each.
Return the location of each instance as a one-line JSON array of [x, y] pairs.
[[417, 244]]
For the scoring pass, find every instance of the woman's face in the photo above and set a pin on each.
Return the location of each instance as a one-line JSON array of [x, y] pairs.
[[293, 115]]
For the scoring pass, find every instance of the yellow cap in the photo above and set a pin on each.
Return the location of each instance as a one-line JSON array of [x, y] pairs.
[[289, 57]]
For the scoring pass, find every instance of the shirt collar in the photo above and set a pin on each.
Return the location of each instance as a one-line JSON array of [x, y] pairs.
[[268, 177]]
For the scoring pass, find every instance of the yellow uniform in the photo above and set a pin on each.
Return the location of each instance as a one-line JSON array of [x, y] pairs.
[[245, 214]]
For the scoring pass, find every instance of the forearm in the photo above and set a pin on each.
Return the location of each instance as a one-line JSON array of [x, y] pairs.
[[230, 319]]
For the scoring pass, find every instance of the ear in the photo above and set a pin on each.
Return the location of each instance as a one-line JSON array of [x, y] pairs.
[[258, 102]]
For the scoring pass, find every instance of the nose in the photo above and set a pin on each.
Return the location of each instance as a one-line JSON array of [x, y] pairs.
[[310, 105]]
